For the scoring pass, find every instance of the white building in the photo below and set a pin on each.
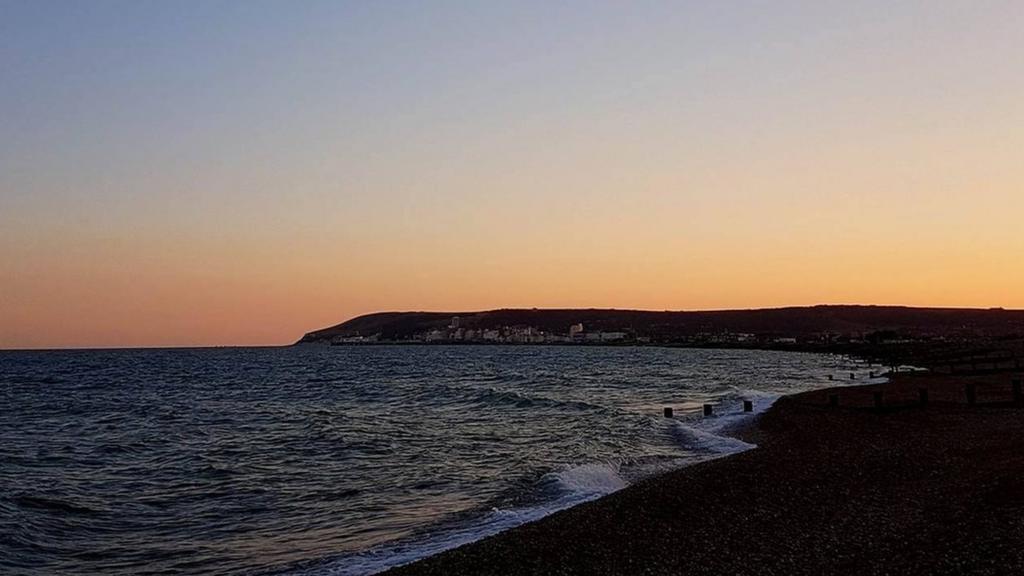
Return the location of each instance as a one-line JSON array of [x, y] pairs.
[[574, 330]]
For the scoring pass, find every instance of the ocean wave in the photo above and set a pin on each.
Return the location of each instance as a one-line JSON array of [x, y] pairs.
[[709, 443], [52, 505], [573, 485], [490, 395], [567, 487], [587, 479]]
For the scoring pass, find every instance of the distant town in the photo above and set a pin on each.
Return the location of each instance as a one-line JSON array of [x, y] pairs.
[[947, 338], [576, 333]]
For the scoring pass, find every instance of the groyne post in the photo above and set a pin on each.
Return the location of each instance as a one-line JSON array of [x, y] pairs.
[[668, 411], [748, 406], [708, 409], [972, 397], [831, 377], [853, 376]]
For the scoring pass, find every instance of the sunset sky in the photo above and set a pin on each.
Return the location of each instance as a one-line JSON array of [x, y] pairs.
[[228, 173]]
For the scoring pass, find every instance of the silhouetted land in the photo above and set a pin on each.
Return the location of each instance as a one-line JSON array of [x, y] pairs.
[[945, 339], [851, 490], [803, 322]]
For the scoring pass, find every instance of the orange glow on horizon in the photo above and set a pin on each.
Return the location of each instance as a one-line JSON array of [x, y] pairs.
[[299, 168]]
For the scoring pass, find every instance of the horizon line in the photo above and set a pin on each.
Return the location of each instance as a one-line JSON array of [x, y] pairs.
[[289, 343]]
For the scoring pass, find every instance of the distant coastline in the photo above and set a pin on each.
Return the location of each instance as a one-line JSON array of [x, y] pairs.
[[941, 338]]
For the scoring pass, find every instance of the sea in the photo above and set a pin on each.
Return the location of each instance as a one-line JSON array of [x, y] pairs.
[[345, 460]]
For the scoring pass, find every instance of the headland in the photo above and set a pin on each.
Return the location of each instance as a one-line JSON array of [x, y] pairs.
[[890, 335]]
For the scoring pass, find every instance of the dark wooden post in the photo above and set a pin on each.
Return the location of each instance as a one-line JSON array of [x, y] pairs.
[[748, 406], [972, 396], [853, 376], [708, 409], [831, 377], [668, 411], [922, 394]]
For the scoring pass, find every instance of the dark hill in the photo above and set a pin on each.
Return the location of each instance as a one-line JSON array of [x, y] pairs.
[[669, 325]]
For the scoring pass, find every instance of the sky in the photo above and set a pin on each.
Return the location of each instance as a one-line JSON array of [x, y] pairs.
[[239, 173]]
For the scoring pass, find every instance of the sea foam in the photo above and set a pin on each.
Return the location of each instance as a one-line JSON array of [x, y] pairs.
[[574, 485], [707, 438]]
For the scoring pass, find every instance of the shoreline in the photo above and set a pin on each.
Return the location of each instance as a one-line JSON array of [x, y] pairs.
[[717, 437], [839, 490], [864, 353]]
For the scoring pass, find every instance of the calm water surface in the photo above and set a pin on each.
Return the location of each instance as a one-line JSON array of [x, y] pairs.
[[340, 460]]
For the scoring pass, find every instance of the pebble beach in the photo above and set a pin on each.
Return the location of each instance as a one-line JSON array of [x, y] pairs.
[[847, 489]]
